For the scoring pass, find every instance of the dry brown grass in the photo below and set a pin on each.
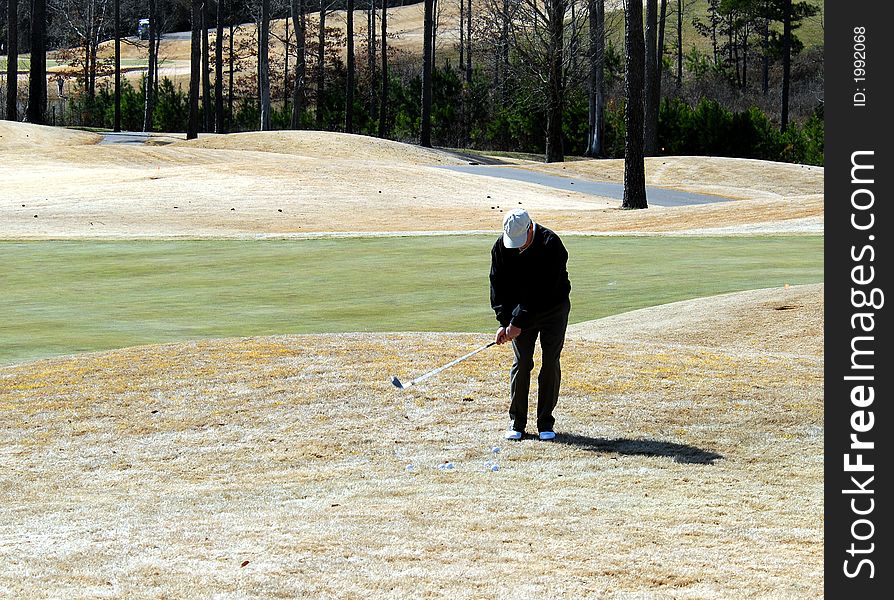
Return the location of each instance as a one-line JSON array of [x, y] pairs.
[[787, 319], [236, 186], [680, 471], [689, 462], [325, 146], [15, 137]]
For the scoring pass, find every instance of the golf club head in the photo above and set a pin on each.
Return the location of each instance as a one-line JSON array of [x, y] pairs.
[[396, 382]]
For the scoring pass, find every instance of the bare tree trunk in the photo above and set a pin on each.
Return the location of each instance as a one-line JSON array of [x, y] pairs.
[[713, 13], [86, 48], [264, 66], [12, 60], [765, 45], [37, 82], [462, 33], [232, 67], [219, 126], [94, 48], [503, 56], [427, 43], [195, 67], [595, 142], [786, 59], [731, 47], [662, 20], [469, 43], [634, 165], [651, 109], [299, 22], [679, 43], [156, 78], [383, 100], [371, 58], [349, 79], [206, 70], [88, 54], [659, 66], [321, 64], [745, 57], [149, 81], [434, 33], [116, 125], [555, 151]]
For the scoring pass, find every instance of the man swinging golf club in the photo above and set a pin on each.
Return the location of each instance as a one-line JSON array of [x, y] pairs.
[[529, 292]]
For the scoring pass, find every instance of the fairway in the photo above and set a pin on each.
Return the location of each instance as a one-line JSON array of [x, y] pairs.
[[63, 297]]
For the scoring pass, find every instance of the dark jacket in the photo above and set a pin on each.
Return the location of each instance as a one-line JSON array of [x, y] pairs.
[[525, 284]]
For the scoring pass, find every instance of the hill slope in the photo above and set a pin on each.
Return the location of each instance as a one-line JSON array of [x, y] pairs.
[[785, 319], [290, 465], [307, 183]]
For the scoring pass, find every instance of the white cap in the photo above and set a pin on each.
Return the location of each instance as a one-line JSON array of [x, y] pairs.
[[515, 228]]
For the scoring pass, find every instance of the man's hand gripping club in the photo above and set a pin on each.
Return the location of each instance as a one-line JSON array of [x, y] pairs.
[[507, 334]]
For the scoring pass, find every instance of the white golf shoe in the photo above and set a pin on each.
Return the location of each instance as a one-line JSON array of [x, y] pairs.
[[547, 435], [512, 434]]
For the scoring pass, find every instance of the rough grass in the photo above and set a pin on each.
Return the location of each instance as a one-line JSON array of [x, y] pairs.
[[15, 136], [278, 467], [326, 145], [65, 297]]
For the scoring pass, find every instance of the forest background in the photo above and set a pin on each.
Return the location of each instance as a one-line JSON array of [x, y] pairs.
[[740, 78]]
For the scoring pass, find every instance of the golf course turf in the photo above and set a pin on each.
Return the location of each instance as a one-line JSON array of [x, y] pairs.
[[63, 297]]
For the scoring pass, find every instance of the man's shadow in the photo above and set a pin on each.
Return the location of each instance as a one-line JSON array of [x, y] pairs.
[[681, 453]]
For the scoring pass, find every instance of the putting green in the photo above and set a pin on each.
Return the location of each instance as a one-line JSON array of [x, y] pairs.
[[62, 297]]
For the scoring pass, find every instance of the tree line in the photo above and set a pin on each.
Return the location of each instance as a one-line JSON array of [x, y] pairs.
[[511, 74]]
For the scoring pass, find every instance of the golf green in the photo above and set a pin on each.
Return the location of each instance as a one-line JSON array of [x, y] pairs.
[[62, 297]]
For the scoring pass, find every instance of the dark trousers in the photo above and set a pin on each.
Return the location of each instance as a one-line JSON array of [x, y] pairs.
[[550, 326]]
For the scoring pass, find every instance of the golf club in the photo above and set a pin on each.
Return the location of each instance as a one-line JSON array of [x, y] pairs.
[[403, 386]]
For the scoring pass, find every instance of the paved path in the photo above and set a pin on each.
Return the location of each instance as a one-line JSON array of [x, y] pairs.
[[656, 196], [137, 138], [124, 137]]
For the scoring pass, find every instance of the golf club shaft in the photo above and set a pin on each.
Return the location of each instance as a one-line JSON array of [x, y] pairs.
[[448, 365]]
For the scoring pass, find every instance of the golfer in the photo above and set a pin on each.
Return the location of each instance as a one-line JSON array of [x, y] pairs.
[[529, 292]]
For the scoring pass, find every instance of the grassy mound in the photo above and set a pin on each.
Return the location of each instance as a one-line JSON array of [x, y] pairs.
[[326, 145], [781, 319], [25, 136]]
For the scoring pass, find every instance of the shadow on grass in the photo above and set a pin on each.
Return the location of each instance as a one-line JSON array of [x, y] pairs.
[[681, 453]]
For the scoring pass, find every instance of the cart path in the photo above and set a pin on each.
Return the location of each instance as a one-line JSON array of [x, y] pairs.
[[655, 195], [138, 138]]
